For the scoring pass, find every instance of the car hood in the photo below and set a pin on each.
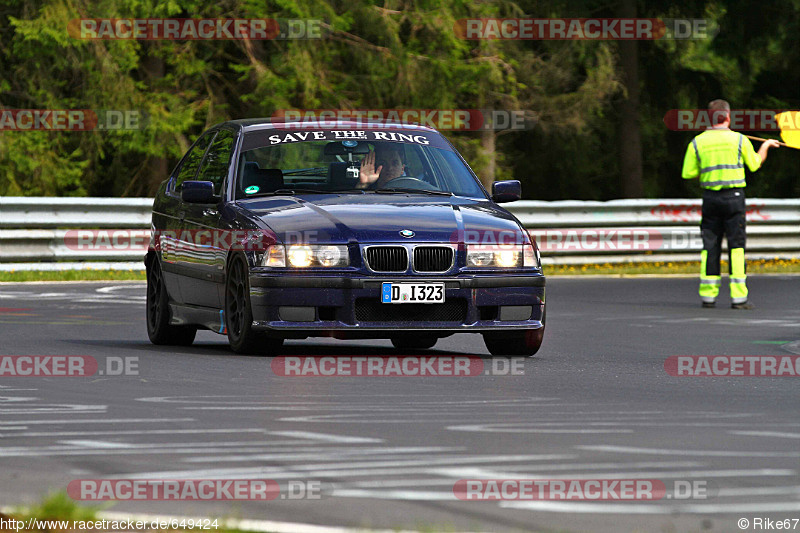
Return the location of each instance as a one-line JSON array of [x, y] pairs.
[[371, 218]]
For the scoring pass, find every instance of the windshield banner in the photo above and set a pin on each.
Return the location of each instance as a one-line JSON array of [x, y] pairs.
[[348, 137]]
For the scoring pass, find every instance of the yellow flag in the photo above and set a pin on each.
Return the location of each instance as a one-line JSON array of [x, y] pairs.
[[789, 123]]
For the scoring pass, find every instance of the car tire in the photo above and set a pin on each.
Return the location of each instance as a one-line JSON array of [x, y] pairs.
[[243, 339], [414, 343], [524, 343], [159, 329]]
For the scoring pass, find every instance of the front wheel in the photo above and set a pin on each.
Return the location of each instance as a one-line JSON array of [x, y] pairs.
[[523, 343], [159, 329], [242, 337]]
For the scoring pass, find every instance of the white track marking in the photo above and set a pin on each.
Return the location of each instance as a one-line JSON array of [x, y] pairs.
[[94, 444], [650, 508], [482, 473], [128, 451], [792, 347], [408, 495], [100, 421], [699, 453], [318, 452], [10, 399], [131, 432], [387, 483], [363, 468], [758, 491], [326, 437], [777, 434]]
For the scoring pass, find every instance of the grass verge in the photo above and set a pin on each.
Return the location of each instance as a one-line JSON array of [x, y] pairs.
[[58, 506], [72, 275], [754, 266]]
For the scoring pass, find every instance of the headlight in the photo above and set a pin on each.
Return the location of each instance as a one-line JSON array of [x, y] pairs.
[[331, 256], [531, 256], [275, 256], [501, 256], [306, 255], [300, 256]]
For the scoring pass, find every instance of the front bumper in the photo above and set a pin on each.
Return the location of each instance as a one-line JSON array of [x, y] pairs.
[[349, 307]]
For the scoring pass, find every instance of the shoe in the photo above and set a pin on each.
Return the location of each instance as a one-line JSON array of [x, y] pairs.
[[743, 305], [709, 305]]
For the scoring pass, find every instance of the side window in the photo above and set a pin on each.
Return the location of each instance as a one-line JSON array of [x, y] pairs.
[[414, 166], [215, 166], [192, 160]]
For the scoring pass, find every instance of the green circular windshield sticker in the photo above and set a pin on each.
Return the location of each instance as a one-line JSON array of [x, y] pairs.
[[251, 189]]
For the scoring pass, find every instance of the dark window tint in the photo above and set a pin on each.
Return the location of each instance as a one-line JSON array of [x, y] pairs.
[[192, 160], [215, 165]]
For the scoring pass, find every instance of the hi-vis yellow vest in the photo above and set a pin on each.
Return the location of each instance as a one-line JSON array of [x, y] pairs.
[[718, 157]]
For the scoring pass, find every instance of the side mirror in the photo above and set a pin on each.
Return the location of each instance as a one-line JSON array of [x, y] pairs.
[[198, 192], [506, 191]]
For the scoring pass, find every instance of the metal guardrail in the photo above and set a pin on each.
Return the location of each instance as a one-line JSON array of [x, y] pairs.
[[578, 232], [18, 212], [34, 232], [642, 212]]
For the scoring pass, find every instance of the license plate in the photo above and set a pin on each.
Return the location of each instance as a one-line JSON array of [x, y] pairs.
[[412, 293]]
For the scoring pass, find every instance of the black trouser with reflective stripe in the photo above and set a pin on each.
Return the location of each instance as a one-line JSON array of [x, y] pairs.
[[723, 215]]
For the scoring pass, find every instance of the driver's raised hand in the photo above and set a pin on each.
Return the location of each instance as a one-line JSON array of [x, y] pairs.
[[368, 174]]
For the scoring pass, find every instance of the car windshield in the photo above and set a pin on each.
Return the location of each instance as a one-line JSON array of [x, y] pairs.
[[276, 162]]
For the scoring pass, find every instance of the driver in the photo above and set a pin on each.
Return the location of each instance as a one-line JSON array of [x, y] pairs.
[[381, 166]]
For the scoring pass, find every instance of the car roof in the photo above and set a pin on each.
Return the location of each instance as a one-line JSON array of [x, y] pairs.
[[254, 124]]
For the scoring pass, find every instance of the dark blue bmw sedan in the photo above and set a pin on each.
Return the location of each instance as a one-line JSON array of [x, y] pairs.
[[268, 231]]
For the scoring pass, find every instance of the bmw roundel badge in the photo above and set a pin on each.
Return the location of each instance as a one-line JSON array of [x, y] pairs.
[[407, 233]]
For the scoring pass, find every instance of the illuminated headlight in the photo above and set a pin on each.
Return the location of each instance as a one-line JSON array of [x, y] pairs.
[[300, 256], [306, 255], [494, 256]]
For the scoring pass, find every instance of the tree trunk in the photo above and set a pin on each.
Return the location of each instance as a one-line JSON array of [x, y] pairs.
[[157, 169], [488, 137], [630, 137]]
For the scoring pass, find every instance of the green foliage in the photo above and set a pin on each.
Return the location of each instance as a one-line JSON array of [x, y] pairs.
[[377, 55], [57, 506]]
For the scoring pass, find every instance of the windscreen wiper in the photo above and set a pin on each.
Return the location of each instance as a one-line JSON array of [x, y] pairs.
[[393, 190], [314, 171], [293, 192]]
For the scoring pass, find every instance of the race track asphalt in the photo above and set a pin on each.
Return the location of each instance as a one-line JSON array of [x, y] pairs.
[[595, 403]]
